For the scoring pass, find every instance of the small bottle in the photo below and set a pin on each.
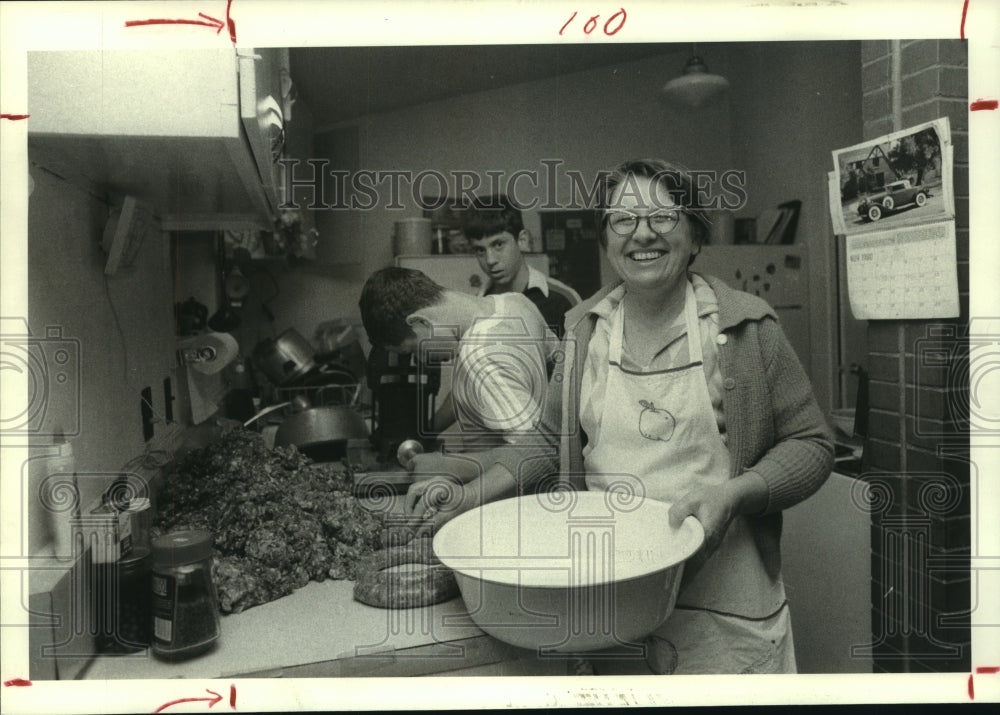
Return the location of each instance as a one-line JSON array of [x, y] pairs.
[[185, 607], [53, 477]]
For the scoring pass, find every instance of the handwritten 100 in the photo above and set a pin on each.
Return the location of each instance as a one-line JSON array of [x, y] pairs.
[[611, 26]]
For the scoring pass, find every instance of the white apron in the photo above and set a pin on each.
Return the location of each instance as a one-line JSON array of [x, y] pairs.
[[660, 427]]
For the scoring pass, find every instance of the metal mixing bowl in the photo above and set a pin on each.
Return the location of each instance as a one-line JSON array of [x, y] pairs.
[[321, 433], [568, 571]]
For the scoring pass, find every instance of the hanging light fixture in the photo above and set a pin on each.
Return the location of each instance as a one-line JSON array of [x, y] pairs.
[[696, 85]]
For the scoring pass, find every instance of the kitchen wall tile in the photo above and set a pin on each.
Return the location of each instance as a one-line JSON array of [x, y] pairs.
[[928, 432], [954, 82], [962, 244], [960, 181], [955, 468], [960, 146], [883, 367], [950, 592], [884, 456], [918, 87], [876, 104], [956, 110], [889, 659], [877, 127], [919, 55], [887, 492], [953, 53], [883, 336], [876, 74], [940, 651], [952, 531], [883, 425], [939, 354], [872, 50], [882, 396], [928, 401], [962, 214], [934, 371]]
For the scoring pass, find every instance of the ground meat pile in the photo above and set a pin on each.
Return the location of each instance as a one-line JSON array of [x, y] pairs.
[[279, 521]]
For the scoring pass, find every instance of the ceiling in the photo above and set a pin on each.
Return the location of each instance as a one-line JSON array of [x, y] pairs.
[[340, 84]]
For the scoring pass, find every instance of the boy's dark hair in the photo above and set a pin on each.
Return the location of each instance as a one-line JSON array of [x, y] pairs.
[[490, 215], [388, 297], [675, 179]]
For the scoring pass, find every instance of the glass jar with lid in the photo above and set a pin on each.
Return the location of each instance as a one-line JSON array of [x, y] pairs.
[[185, 607], [121, 592]]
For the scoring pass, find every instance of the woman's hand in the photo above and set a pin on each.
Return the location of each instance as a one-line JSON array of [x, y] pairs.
[[716, 505]]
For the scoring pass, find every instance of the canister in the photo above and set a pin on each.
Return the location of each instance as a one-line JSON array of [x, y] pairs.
[[122, 597], [185, 606], [412, 237]]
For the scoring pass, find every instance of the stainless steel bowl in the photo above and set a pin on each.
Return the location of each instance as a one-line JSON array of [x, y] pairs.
[[322, 433], [575, 571]]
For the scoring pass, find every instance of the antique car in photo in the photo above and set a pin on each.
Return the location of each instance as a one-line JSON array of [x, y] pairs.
[[894, 196]]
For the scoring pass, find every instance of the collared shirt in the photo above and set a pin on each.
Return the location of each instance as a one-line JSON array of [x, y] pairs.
[[536, 279], [551, 305], [673, 355]]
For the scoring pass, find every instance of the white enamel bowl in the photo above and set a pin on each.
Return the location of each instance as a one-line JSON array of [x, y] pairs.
[[568, 571]]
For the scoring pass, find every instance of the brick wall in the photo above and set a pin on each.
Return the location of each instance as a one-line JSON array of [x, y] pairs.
[[918, 470]]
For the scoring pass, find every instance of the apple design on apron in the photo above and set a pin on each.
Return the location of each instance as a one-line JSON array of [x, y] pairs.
[[654, 423]]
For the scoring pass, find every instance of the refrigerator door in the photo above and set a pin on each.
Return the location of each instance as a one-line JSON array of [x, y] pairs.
[[461, 273]]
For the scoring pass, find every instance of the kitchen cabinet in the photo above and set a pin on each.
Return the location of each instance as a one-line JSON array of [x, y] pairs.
[[193, 133], [826, 566]]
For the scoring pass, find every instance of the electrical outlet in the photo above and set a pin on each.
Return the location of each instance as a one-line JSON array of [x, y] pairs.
[[146, 407], [168, 400]]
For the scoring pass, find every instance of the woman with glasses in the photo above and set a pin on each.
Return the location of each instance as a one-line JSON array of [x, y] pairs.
[[688, 392]]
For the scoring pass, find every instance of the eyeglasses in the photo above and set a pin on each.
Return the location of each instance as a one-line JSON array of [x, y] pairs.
[[625, 223]]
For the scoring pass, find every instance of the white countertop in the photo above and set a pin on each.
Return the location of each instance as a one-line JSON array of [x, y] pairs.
[[318, 624]]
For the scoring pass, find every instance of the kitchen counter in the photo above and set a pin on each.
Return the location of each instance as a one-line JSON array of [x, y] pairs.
[[319, 630]]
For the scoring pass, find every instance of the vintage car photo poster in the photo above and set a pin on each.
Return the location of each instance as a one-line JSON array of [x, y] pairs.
[[901, 179], [892, 199]]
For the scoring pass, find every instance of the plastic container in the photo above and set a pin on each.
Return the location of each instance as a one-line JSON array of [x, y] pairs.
[[56, 493], [185, 607]]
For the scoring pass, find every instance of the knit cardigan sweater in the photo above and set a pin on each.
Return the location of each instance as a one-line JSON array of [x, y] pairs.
[[773, 423]]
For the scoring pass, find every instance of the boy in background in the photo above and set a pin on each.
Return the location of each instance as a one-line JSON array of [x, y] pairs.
[[496, 232]]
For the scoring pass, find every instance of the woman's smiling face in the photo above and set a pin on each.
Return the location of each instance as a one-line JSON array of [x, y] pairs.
[[646, 260]]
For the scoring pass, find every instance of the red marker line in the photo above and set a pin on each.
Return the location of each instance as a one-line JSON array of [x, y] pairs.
[[16, 682], [990, 669], [217, 24], [965, 10], [211, 701], [230, 23], [206, 21], [14, 117], [972, 690], [981, 104], [232, 696]]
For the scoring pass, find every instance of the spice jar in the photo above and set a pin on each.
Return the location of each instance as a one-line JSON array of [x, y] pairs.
[[184, 603]]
